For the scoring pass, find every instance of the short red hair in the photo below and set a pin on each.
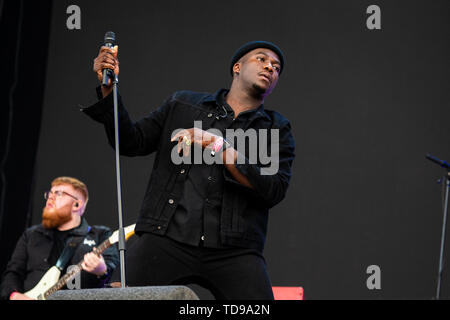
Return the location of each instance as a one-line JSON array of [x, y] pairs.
[[75, 183]]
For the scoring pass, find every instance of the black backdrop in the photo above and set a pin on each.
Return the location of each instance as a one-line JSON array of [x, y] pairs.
[[24, 30], [365, 105]]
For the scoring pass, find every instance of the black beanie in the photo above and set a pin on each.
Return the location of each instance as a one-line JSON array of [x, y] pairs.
[[255, 45]]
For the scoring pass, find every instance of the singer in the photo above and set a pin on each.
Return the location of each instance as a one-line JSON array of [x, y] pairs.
[[205, 223]]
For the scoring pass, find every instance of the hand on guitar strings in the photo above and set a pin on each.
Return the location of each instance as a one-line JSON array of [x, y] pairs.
[[94, 263]]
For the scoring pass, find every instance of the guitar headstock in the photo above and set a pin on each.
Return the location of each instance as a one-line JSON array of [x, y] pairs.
[[129, 232]]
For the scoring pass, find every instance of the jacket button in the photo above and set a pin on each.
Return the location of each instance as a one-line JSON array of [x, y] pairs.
[[182, 171], [159, 227], [210, 115], [171, 201]]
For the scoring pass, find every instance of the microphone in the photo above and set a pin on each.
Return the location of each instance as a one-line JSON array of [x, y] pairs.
[[442, 163], [110, 42]]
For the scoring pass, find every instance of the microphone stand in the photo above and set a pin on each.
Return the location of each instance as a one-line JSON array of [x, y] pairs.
[[444, 224], [446, 179], [121, 243]]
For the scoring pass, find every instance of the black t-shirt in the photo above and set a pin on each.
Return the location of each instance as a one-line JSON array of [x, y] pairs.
[[59, 243]]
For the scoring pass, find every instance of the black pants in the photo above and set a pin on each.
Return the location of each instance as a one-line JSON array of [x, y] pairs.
[[230, 274]]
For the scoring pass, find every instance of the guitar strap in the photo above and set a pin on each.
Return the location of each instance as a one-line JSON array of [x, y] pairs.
[[68, 252]]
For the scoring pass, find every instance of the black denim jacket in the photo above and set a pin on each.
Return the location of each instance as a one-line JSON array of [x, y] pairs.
[[244, 214]]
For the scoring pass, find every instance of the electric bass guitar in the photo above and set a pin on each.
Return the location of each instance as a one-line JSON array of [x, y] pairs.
[[49, 283]]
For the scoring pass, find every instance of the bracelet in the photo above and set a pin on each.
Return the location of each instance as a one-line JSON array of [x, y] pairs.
[[12, 295], [217, 146]]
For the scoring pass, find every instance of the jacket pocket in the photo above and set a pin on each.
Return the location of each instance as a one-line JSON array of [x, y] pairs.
[[152, 203]]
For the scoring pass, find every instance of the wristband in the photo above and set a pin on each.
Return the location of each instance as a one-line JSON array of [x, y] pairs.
[[217, 146], [12, 295]]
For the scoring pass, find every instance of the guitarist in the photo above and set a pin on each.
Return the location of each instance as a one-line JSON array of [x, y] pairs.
[[41, 246]]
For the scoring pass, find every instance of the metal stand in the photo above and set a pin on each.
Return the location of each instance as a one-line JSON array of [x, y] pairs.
[[446, 179], [444, 226], [119, 185]]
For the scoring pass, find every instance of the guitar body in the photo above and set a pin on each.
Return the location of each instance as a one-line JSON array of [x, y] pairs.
[[49, 279]]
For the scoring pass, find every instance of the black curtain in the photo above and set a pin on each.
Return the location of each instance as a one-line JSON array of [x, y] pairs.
[[24, 30]]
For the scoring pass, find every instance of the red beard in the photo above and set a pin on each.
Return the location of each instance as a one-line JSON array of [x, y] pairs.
[[53, 218]]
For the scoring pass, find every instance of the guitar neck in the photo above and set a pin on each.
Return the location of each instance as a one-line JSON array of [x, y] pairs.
[[65, 279]]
